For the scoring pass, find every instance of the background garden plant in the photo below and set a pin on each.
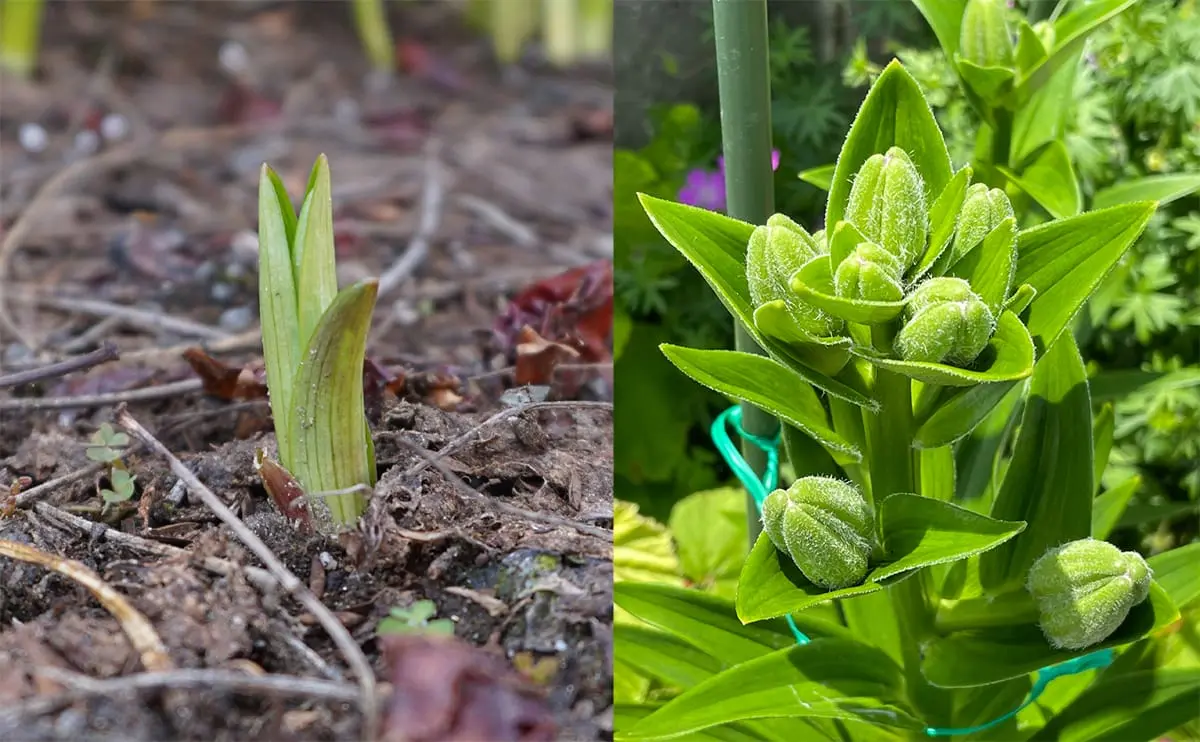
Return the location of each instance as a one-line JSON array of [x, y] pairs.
[[947, 631]]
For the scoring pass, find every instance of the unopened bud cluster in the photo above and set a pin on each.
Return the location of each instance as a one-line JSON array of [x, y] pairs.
[[826, 526]]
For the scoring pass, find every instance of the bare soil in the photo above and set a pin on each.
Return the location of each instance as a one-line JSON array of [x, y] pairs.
[[478, 181]]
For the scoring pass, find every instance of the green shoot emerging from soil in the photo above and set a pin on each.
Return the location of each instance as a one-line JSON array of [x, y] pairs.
[[415, 619], [314, 341], [20, 34]]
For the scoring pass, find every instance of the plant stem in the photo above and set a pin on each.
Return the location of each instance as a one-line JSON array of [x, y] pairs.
[[20, 33], [744, 79]]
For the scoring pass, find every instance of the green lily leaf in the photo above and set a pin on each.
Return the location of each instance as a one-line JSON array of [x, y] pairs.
[[824, 355], [1008, 357], [1050, 180], [764, 383], [1175, 571], [1065, 261], [990, 265], [959, 414], [716, 246], [943, 220], [312, 251], [976, 455], [821, 177], [278, 304], [1070, 32], [1021, 299], [626, 715], [1102, 440], [894, 114], [1144, 704], [1107, 508], [1049, 480], [814, 284], [1030, 50], [826, 678], [842, 241], [1161, 188], [971, 658], [991, 84], [945, 18], [329, 411], [663, 657], [1043, 118], [917, 532]]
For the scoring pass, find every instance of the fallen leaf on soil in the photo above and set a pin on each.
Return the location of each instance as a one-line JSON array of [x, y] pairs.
[[537, 357], [284, 490], [445, 690], [223, 382]]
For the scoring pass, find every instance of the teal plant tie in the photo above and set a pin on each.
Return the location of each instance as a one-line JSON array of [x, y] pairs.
[[760, 488]]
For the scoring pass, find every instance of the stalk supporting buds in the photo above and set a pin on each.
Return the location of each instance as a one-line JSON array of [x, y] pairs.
[[1084, 590], [827, 528], [982, 211], [775, 252], [985, 40], [887, 204], [870, 273], [947, 323]]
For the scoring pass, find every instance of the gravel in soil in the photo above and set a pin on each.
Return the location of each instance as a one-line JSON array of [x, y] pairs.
[[499, 516]]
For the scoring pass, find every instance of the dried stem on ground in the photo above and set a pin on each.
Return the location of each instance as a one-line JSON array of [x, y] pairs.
[[431, 216], [103, 354], [289, 582], [137, 627], [149, 394]]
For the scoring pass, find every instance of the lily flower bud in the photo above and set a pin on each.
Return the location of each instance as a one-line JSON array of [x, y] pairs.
[[948, 323], [887, 204], [869, 274], [981, 212], [773, 256], [827, 528], [985, 39]]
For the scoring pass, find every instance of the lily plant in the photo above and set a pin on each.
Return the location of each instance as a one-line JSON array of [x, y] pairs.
[[877, 602], [314, 345]]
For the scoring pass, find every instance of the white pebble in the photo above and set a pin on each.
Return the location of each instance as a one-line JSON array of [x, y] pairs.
[[33, 138]]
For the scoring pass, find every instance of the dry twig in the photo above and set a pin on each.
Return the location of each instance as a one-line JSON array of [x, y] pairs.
[[431, 216], [103, 354], [289, 582], [141, 318], [137, 628], [149, 394]]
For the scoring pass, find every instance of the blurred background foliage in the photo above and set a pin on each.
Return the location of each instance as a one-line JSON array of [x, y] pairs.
[[1136, 108]]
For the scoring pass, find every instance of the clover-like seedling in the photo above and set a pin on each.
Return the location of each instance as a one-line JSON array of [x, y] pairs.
[[415, 619], [827, 528], [1085, 589], [106, 447], [314, 344]]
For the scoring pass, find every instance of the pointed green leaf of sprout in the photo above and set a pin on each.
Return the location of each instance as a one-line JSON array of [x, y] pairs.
[[716, 245], [821, 177], [277, 305], [1007, 357], [764, 383], [313, 253], [286, 210], [943, 218], [1050, 180], [917, 532], [973, 658], [894, 114], [960, 413], [1165, 701], [1049, 481], [1161, 188], [1041, 119], [989, 267], [809, 680], [814, 284], [1070, 32], [329, 415], [1065, 261]]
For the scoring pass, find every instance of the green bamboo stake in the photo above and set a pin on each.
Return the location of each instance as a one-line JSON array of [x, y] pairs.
[[744, 79]]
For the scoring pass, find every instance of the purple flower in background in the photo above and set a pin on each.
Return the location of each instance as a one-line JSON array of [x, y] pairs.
[[706, 188]]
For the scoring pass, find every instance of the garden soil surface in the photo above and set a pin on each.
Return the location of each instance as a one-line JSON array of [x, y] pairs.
[[128, 174]]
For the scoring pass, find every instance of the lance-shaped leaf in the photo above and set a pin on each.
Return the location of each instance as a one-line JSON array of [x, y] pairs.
[[827, 678], [990, 266], [327, 424], [970, 658], [821, 177], [1143, 704], [814, 284], [990, 83], [716, 245], [1065, 261], [959, 414], [764, 383], [1049, 480], [1161, 188], [278, 303], [945, 18], [894, 114], [1175, 571], [1070, 33], [1050, 180], [917, 532], [312, 251], [943, 219], [1008, 357], [1107, 508]]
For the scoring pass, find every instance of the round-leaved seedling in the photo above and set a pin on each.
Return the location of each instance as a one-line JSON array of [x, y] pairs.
[[1084, 590], [887, 204], [947, 323], [827, 528]]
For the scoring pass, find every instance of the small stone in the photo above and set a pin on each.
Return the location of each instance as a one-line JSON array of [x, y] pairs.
[[33, 138], [236, 319]]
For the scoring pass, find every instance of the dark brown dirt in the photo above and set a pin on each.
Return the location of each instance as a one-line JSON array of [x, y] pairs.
[[505, 531]]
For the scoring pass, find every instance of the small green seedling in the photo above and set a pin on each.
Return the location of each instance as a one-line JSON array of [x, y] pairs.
[[415, 619], [106, 447], [314, 343]]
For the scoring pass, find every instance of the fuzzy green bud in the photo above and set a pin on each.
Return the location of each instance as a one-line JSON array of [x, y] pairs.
[[826, 526], [982, 210], [887, 204], [985, 39], [1084, 590], [870, 273], [783, 221], [947, 323], [773, 255]]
